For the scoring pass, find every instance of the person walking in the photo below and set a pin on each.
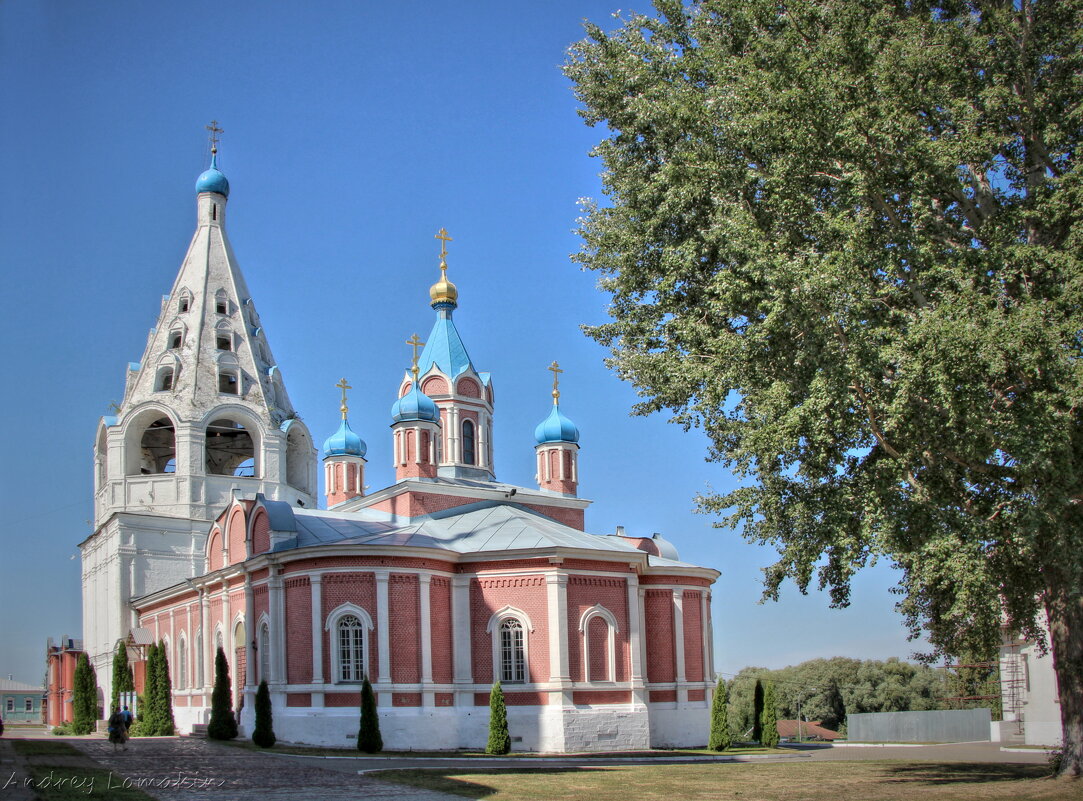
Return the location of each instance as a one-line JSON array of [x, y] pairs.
[[118, 731]]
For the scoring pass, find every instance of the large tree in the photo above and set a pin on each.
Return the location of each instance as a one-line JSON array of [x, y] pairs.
[[844, 239], [123, 681], [84, 698]]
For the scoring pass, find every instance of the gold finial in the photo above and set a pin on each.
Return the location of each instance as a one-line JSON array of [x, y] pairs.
[[215, 130], [555, 368], [343, 386], [415, 342], [443, 291]]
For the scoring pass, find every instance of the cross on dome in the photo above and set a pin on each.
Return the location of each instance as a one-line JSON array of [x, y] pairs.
[[215, 130], [415, 342], [343, 386], [555, 368]]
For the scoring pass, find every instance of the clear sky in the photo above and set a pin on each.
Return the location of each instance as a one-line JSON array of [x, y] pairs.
[[354, 131]]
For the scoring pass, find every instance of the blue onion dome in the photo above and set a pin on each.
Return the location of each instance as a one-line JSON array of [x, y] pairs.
[[414, 405], [556, 428], [344, 442], [213, 180]]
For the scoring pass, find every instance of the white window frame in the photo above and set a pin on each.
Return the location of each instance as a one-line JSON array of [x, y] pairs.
[[611, 640], [10, 705], [493, 629], [182, 662], [263, 641], [331, 625], [199, 658], [29, 705]]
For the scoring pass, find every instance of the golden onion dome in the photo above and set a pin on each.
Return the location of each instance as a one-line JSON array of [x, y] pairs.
[[443, 291]]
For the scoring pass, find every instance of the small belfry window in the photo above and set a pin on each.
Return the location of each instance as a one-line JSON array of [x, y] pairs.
[[165, 380], [468, 443], [175, 339], [220, 306], [184, 304], [224, 342], [351, 649], [512, 654], [228, 383]]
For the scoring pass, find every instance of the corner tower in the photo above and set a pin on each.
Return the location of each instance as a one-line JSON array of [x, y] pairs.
[[463, 396], [205, 415]]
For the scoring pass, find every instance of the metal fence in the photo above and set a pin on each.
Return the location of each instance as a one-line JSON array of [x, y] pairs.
[[947, 726]]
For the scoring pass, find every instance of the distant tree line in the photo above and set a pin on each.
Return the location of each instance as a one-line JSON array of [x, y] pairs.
[[828, 690]]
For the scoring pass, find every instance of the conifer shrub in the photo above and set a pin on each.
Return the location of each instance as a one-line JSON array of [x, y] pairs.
[[368, 735], [720, 738], [757, 712], [84, 697], [499, 739], [222, 726], [769, 719], [162, 690], [263, 735], [123, 682]]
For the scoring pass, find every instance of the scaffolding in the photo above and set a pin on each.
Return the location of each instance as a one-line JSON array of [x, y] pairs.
[[1013, 680]]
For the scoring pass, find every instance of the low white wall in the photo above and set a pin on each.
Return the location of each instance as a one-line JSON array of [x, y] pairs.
[[673, 727]]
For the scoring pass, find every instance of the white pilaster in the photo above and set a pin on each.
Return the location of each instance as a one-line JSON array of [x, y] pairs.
[[678, 643], [461, 639], [556, 585], [383, 629], [424, 584]]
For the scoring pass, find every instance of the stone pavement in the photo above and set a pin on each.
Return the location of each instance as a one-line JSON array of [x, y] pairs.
[[184, 769]]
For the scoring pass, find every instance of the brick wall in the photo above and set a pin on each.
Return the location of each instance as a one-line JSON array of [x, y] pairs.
[[440, 620], [214, 550], [658, 625], [358, 589], [612, 593], [528, 593], [693, 636], [404, 628], [298, 599], [236, 530], [261, 533]]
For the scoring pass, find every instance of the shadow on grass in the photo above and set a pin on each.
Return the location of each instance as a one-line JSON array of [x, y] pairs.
[[441, 779], [962, 772], [44, 748]]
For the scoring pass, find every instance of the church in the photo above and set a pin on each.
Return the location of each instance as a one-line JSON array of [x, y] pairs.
[[208, 534]]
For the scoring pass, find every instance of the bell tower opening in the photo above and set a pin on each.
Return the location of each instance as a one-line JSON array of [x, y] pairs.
[[155, 448], [230, 449]]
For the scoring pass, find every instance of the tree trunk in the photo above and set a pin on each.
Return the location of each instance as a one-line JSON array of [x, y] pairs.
[[1064, 606]]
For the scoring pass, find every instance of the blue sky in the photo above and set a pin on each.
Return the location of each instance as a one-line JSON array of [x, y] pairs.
[[353, 132]]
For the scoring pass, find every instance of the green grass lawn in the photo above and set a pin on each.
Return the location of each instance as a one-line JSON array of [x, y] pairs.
[[54, 777], [825, 781], [28, 748]]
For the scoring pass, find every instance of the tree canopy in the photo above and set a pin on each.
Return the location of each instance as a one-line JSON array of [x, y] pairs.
[[843, 238]]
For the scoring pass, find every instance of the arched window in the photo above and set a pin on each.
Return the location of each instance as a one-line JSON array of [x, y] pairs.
[[264, 653], [199, 658], [350, 638], [182, 664], [163, 381], [298, 456], [468, 442], [176, 339], [512, 652], [598, 627]]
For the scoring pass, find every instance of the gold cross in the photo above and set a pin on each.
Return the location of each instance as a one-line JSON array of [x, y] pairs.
[[555, 368], [415, 342], [343, 386], [215, 130], [443, 243]]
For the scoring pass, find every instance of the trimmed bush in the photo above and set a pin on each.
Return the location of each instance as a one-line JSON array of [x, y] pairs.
[[222, 726], [770, 717], [368, 736], [263, 735], [84, 700], [720, 738], [163, 693], [499, 739]]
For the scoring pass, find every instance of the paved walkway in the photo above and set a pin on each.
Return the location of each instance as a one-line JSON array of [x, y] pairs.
[[184, 769]]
